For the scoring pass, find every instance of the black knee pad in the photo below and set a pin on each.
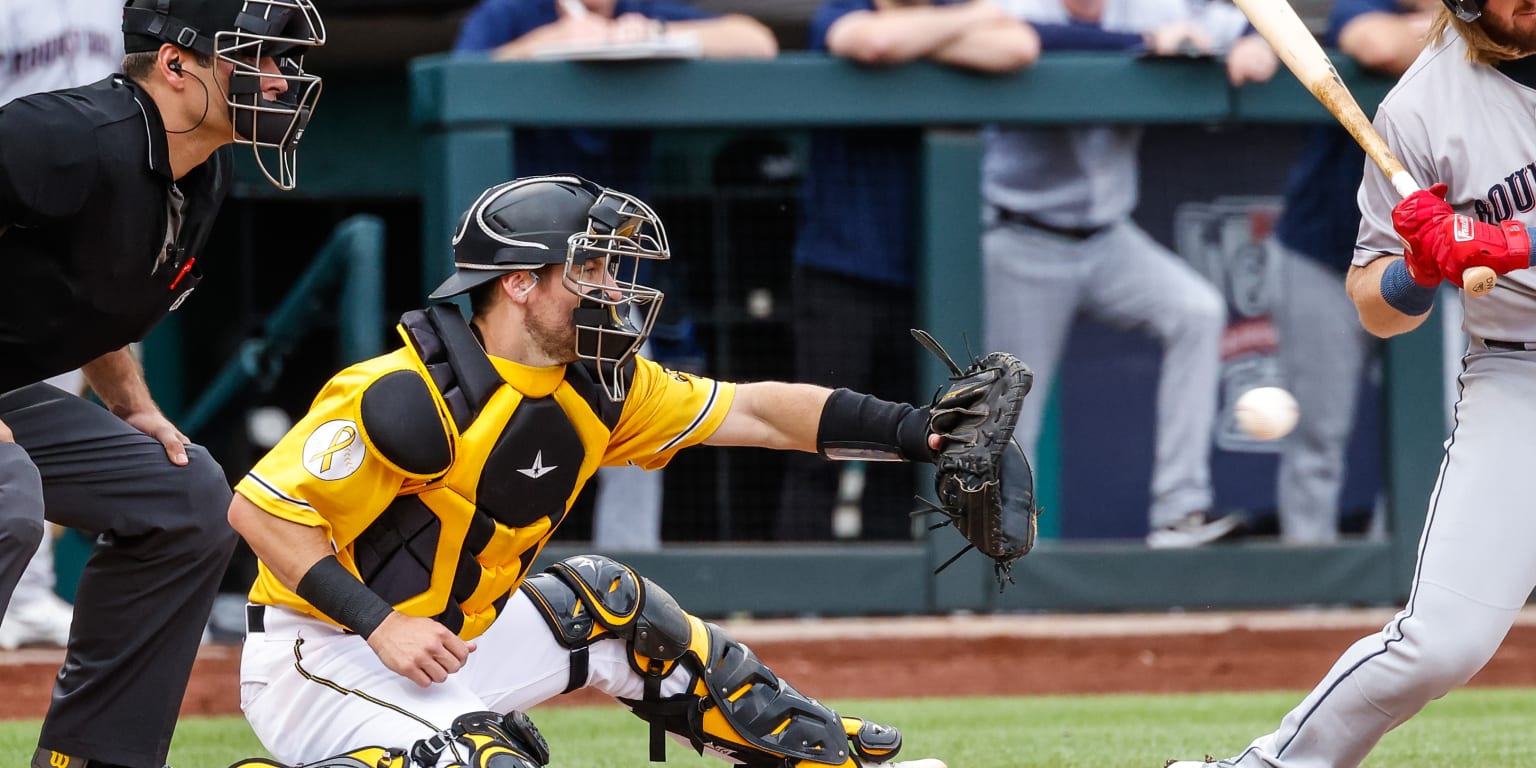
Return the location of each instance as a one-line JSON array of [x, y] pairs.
[[590, 597]]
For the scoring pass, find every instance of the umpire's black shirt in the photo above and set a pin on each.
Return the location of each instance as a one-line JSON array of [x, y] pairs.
[[89, 206]]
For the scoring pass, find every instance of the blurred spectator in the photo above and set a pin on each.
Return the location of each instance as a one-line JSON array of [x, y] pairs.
[[627, 511], [45, 46], [57, 44], [1323, 348], [517, 29], [854, 254], [1059, 240]]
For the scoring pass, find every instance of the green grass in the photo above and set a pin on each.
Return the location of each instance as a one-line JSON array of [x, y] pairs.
[[1481, 727]]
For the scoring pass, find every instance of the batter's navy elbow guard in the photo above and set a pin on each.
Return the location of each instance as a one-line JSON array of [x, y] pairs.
[[1401, 293]]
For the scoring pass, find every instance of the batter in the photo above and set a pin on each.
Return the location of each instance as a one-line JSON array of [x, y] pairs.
[[1460, 117]]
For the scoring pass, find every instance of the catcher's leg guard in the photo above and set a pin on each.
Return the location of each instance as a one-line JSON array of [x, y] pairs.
[[734, 705], [476, 740], [486, 740], [363, 757]]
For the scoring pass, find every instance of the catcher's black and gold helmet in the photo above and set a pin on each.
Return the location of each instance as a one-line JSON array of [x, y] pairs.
[[537, 221]]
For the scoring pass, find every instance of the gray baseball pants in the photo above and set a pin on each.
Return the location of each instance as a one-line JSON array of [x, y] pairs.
[[1323, 353], [1475, 572], [162, 543], [1035, 284]]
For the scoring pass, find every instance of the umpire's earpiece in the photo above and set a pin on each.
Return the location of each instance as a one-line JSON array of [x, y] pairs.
[[531, 286], [174, 66]]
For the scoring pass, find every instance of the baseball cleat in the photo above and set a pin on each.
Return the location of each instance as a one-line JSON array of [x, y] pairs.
[[1195, 529]]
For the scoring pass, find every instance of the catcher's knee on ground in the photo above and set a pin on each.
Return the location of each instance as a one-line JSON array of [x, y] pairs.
[[475, 740], [733, 705]]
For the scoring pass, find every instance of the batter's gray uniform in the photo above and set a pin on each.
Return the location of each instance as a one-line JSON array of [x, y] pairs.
[[1468, 126], [1059, 240]]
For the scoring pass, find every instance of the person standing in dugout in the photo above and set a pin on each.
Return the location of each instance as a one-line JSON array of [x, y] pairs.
[[107, 194], [397, 523]]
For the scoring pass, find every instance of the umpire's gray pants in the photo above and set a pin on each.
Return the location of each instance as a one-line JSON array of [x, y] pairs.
[[1323, 353], [1035, 284], [143, 599]]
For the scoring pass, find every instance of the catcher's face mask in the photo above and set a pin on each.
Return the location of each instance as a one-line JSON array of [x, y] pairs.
[[617, 312]]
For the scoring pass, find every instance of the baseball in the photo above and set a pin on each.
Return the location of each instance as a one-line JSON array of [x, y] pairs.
[[1266, 413]]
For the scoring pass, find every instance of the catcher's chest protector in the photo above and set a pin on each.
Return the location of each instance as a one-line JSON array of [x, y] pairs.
[[514, 462]]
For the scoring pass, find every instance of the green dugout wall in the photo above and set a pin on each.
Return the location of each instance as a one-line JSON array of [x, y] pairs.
[[466, 110]]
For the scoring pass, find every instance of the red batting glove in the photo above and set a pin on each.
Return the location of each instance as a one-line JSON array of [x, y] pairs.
[[1458, 242], [1411, 218]]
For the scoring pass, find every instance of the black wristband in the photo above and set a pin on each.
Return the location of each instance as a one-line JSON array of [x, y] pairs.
[[863, 427], [335, 592]]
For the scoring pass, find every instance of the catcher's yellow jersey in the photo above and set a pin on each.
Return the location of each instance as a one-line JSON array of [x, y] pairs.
[[440, 506]]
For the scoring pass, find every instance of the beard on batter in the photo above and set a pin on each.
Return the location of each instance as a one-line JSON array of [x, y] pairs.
[[1515, 28]]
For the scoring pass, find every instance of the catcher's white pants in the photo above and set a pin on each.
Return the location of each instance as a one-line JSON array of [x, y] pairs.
[[330, 694]]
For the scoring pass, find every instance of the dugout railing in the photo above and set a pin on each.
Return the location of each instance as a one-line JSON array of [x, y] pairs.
[[345, 280], [466, 110]]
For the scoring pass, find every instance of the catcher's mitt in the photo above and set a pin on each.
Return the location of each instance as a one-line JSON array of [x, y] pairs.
[[984, 484]]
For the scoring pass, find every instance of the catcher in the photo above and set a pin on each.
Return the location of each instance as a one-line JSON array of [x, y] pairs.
[[394, 621]]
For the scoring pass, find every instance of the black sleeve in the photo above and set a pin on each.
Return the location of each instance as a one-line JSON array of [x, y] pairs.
[[48, 161]]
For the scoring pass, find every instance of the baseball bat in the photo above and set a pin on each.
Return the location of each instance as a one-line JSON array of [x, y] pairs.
[[1278, 23]]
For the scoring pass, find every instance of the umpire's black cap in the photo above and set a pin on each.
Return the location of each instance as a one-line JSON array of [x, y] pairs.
[[521, 224], [148, 24]]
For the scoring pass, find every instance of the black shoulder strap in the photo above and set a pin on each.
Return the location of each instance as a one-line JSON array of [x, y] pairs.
[[454, 358]]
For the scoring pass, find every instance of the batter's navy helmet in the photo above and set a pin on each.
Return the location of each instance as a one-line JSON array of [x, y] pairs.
[[1466, 10]]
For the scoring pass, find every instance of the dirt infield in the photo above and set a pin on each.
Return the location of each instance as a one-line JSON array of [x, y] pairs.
[[1007, 655]]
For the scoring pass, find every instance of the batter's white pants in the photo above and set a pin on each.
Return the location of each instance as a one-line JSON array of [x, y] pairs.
[[1035, 284], [311, 691], [1476, 569]]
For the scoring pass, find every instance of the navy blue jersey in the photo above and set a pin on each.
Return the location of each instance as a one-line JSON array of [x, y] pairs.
[[859, 199]]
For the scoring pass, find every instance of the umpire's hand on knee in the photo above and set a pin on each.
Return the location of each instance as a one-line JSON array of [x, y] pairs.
[[5, 434], [156, 425], [419, 649]]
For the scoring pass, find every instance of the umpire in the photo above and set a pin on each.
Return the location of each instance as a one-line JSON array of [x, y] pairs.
[[107, 195]]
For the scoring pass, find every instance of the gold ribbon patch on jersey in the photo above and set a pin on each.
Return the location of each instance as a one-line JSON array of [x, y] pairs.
[[334, 450]]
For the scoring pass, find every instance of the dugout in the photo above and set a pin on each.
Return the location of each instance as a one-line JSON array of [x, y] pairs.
[[414, 146]]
